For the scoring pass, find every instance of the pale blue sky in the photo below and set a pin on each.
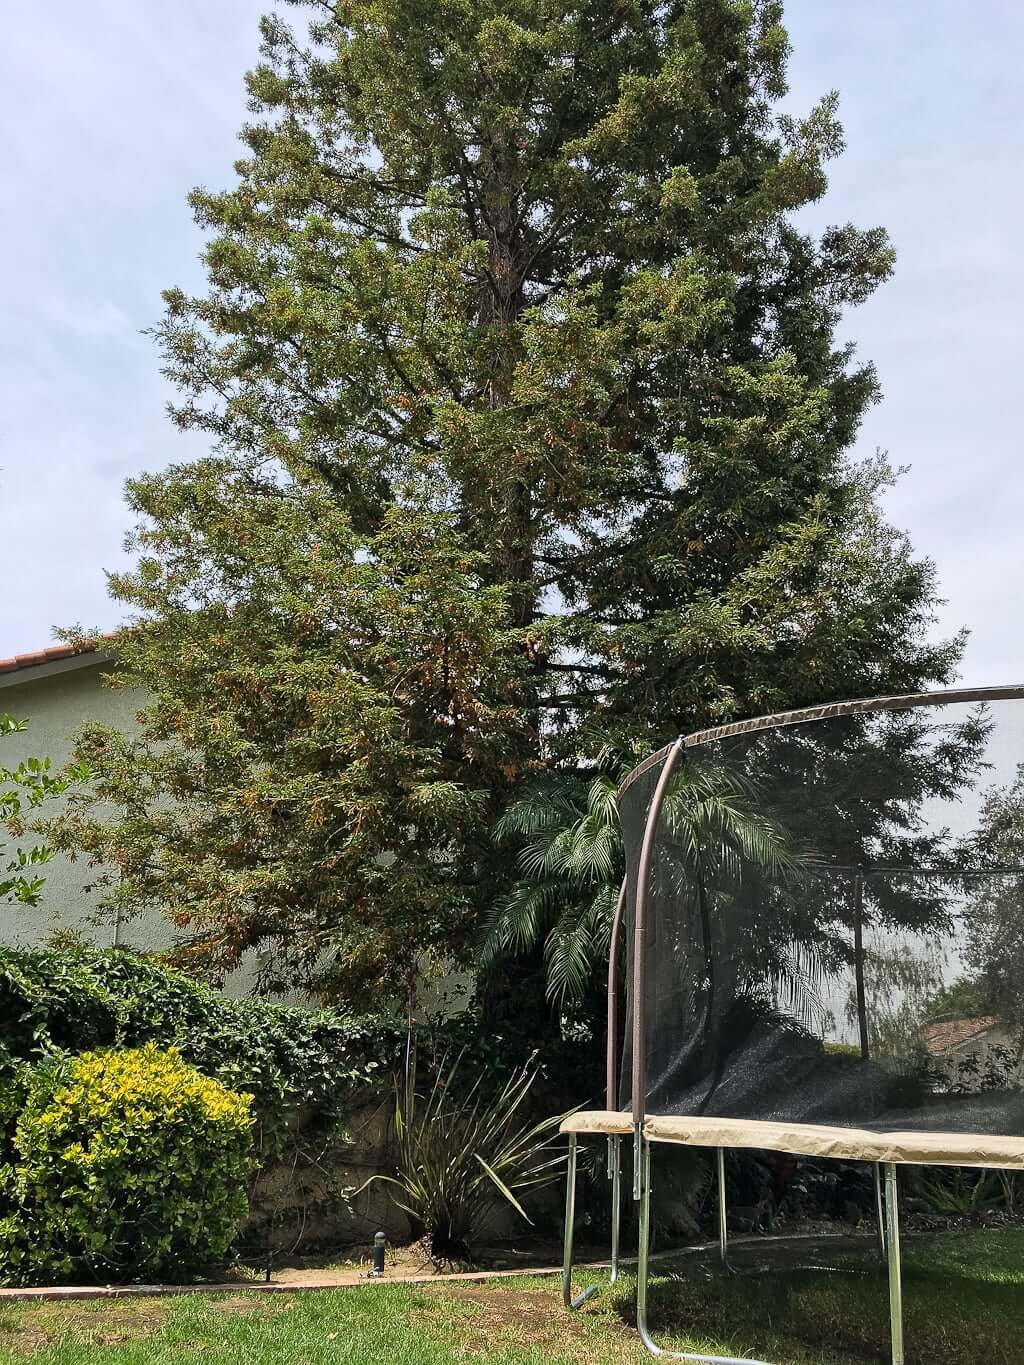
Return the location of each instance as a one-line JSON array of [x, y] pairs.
[[114, 110]]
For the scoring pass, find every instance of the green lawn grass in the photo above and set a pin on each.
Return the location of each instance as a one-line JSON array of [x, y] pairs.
[[964, 1306]]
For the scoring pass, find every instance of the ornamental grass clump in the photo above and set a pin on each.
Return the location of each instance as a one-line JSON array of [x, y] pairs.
[[126, 1165], [464, 1151]]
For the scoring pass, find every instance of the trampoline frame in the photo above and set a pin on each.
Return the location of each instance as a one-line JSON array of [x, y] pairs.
[[887, 1208]]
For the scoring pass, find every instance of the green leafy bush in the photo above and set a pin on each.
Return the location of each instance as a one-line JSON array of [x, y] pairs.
[[128, 1164], [299, 1065]]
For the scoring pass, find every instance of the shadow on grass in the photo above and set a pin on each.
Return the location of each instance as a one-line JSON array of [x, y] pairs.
[[962, 1306]]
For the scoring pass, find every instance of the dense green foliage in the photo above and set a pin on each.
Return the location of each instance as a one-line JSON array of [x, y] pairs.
[[529, 430], [995, 952], [22, 790], [291, 1061], [300, 1066], [128, 1164], [305, 1071]]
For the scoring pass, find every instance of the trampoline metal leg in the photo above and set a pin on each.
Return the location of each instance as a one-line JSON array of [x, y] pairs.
[[880, 1212], [892, 1228], [615, 1172], [642, 1274], [570, 1220], [723, 1231]]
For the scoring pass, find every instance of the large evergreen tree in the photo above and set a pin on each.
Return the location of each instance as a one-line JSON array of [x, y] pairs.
[[530, 434]]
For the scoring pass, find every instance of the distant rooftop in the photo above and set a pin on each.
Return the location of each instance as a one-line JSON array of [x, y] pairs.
[[951, 1033]]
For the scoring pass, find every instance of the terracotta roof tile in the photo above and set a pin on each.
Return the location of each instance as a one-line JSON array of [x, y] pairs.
[[950, 1033], [47, 656]]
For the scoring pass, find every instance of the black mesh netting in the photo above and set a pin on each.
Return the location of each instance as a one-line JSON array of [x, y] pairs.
[[836, 923]]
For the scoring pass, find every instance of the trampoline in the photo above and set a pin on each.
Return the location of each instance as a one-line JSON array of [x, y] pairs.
[[823, 924]]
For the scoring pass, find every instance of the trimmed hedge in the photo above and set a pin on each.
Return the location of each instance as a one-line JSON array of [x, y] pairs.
[[128, 1164]]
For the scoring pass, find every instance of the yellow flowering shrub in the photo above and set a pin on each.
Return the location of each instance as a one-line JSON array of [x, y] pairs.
[[128, 1164]]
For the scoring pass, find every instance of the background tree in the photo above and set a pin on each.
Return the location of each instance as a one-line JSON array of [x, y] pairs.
[[350, 742], [994, 952], [509, 297]]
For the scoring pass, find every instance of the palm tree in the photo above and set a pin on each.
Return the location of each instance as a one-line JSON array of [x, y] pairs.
[[572, 859]]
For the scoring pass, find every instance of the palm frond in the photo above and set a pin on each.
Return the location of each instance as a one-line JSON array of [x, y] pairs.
[[571, 857], [519, 921], [570, 957], [603, 800]]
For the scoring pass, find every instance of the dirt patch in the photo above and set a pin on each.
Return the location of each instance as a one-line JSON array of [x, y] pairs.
[[520, 1317], [400, 1263], [96, 1323]]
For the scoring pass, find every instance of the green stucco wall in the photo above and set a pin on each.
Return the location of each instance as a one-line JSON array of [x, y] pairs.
[[56, 700]]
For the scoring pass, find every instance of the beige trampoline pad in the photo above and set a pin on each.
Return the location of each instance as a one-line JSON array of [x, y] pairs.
[[847, 1144], [606, 1121]]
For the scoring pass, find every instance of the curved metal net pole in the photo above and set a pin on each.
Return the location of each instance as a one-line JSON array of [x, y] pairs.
[[880, 1212], [642, 1148], [640, 960], [611, 1086], [723, 1227], [614, 1143], [892, 1229]]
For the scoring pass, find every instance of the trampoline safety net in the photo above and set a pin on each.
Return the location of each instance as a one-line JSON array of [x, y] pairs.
[[835, 922]]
